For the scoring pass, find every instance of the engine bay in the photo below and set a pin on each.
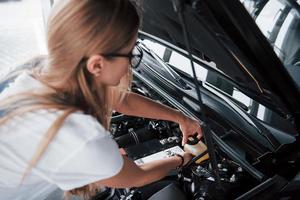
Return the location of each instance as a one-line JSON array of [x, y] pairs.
[[145, 140]]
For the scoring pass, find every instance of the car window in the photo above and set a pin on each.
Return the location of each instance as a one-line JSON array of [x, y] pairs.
[[279, 21], [157, 48], [176, 60], [268, 17], [183, 63], [241, 97], [249, 5], [284, 29]]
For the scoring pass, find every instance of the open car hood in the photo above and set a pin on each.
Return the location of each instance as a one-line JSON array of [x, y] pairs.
[[224, 32]]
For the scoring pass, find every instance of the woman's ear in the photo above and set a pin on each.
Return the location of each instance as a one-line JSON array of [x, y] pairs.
[[95, 65]]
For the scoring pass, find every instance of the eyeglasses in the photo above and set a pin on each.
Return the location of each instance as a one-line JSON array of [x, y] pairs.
[[135, 57]]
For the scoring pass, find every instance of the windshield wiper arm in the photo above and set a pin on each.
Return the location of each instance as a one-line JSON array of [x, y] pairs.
[[175, 76]]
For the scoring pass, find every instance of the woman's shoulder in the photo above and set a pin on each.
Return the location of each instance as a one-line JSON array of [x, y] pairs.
[[79, 122], [77, 127], [76, 124], [34, 62], [20, 76]]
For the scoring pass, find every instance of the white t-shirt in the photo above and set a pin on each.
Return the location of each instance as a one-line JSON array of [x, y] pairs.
[[81, 153]]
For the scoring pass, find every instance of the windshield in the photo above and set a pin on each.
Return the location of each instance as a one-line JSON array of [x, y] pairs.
[[279, 21]]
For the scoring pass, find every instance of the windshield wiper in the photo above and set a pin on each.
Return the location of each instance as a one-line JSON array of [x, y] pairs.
[[167, 68]]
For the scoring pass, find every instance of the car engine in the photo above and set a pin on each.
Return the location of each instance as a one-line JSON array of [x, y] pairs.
[[144, 140]]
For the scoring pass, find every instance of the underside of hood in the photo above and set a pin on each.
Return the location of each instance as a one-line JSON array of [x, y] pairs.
[[224, 32]]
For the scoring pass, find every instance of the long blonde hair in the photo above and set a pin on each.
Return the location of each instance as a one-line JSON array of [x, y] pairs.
[[76, 30]]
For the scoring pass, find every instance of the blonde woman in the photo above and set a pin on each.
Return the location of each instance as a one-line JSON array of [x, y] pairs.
[[55, 116]]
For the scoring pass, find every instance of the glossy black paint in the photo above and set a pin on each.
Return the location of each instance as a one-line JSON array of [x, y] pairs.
[[233, 41]]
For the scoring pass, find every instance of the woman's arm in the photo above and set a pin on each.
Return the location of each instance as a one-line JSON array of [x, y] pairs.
[[132, 175], [137, 105]]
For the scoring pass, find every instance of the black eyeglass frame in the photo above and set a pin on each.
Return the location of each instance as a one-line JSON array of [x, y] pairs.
[[130, 56]]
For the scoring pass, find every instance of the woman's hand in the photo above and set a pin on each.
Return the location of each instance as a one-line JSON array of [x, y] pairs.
[[189, 127]]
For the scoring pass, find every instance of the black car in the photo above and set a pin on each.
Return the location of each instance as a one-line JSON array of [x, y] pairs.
[[243, 85]]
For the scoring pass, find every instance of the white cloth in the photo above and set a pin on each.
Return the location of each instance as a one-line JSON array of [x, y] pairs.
[[82, 152]]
